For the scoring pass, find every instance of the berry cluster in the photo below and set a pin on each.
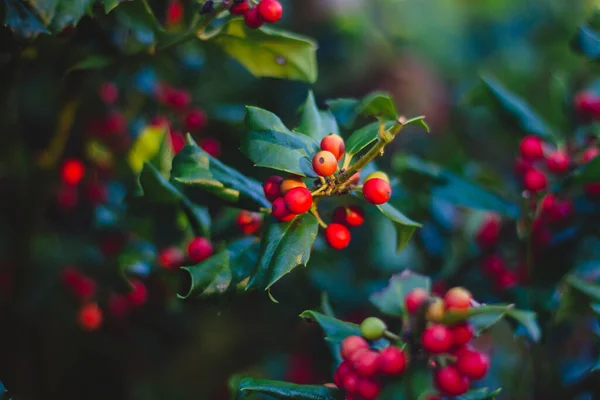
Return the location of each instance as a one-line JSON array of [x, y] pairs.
[[198, 250], [290, 196], [365, 370], [266, 11], [456, 364], [248, 222]]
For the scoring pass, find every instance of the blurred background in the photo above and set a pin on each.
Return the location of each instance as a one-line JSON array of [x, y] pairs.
[[429, 54]]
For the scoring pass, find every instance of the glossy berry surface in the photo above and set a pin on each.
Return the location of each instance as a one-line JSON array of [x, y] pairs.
[[171, 257], [334, 144], [535, 180], [350, 216], [392, 361], [461, 334], [252, 18], [280, 210], [248, 222], [337, 236], [138, 295], [199, 249], [372, 328], [365, 362], [368, 389], [376, 191], [290, 183], [271, 187], [472, 364], [352, 344], [531, 148], [450, 382], [457, 299], [239, 8], [270, 10], [436, 339], [324, 163], [558, 162], [298, 200], [414, 299]]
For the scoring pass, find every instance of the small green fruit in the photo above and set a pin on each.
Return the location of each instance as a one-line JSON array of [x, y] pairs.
[[372, 328]]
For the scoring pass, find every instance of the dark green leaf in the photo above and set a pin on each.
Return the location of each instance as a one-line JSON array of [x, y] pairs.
[[289, 152], [517, 109], [390, 300], [110, 5], [364, 136], [587, 42], [588, 173], [69, 12], [589, 289], [45, 9], [378, 104], [193, 167], [480, 394], [420, 120], [93, 61], [258, 119], [315, 123], [139, 18], [335, 329], [344, 111], [287, 390], [269, 52], [224, 270], [528, 320], [21, 20], [456, 190], [285, 246], [405, 227]]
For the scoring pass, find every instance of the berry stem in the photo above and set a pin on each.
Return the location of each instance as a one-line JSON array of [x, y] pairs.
[[392, 336], [315, 212], [196, 29], [265, 210]]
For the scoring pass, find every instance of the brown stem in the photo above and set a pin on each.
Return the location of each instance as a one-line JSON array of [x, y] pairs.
[[315, 212]]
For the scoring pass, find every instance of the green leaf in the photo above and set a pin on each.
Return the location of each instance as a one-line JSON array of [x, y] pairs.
[[480, 394], [517, 109], [378, 104], [335, 329], [364, 136], [587, 42], [589, 289], [143, 26], [258, 119], [195, 168], [405, 227], [21, 20], [456, 190], [224, 270], [420, 120], [45, 9], [285, 390], [315, 123], [110, 5], [69, 12], [93, 61], [390, 300], [285, 246], [588, 173], [267, 52], [344, 111]]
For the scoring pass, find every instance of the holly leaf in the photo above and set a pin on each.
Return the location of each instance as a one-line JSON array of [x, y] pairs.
[[194, 168], [148, 146], [314, 122], [284, 390], [224, 270], [69, 12], [378, 104], [268, 52], [480, 394], [335, 329], [456, 190], [590, 289], [285, 246], [587, 42], [258, 119], [390, 300], [364, 136], [517, 110], [405, 227], [21, 20], [93, 61], [344, 111], [110, 5]]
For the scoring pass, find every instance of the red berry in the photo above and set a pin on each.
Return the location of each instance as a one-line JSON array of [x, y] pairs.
[[199, 249], [376, 191], [177, 141], [114, 123], [212, 146], [271, 187], [195, 120], [280, 210], [365, 362], [350, 382], [368, 389], [589, 154], [178, 99], [351, 215], [252, 18], [324, 163], [592, 190], [547, 204], [432, 397], [457, 299], [493, 265], [351, 344], [239, 8], [540, 232], [489, 231], [174, 13], [561, 211], [170, 258], [270, 10], [436, 339], [334, 144], [472, 364], [558, 161], [337, 236], [90, 317], [506, 279], [414, 299], [461, 334], [392, 361], [450, 382], [340, 373], [81, 286], [531, 148], [587, 104], [108, 92], [72, 171], [138, 293], [248, 222], [535, 180], [298, 200]]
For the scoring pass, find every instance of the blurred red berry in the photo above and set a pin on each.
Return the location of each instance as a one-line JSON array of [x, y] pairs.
[[350, 216], [252, 18], [118, 306], [365, 362], [522, 166], [160, 121], [368, 389], [450, 382], [492, 265], [351, 344], [561, 211], [170, 257], [340, 373], [535, 180], [195, 120], [589, 154], [271, 187], [199, 249], [174, 13], [457, 299], [177, 99], [506, 279], [239, 8], [177, 141], [72, 171], [587, 105], [531, 148], [212, 146], [541, 234], [436, 339], [558, 161], [472, 364], [138, 295], [414, 299], [248, 222], [461, 334], [108, 92], [547, 204], [488, 234], [90, 317], [114, 124], [392, 361]]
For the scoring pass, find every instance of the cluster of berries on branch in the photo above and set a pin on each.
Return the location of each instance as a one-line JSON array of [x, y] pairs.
[[266, 11]]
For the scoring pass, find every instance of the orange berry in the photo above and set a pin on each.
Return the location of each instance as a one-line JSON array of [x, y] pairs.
[[289, 183], [324, 163], [334, 144]]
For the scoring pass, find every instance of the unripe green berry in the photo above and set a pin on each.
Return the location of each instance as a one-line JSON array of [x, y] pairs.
[[372, 328]]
